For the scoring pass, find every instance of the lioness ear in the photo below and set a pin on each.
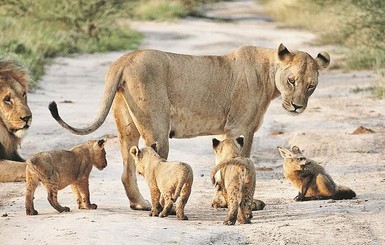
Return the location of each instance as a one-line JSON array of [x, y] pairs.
[[215, 143], [240, 140], [323, 60], [295, 149], [101, 142], [282, 52], [135, 151], [154, 146], [285, 153]]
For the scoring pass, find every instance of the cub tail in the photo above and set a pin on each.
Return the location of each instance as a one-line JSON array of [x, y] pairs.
[[343, 192]]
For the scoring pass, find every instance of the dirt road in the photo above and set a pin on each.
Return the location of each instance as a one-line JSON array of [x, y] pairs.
[[323, 131]]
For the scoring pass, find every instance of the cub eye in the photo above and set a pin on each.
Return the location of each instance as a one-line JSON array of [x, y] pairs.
[[301, 158], [7, 99], [291, 81]]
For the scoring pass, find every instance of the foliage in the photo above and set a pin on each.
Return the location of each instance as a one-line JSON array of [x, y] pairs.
[[34, 31]]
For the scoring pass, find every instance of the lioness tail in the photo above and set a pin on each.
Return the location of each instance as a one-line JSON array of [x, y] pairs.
[[109, 95]]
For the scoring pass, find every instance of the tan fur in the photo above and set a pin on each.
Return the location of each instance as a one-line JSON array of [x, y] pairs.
[[310, 178], [157, 95], [167, 181], [237, 181], [59, 168], [15, 119]]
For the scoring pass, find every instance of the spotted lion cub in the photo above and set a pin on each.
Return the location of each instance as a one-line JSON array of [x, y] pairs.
[[59, 168], [237, 179], [167, 181]]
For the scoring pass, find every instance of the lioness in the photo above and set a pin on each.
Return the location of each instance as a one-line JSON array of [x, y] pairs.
[[167, 181], [59, 168], [310, 178], [15, 119], [237, 179], [158, 95]]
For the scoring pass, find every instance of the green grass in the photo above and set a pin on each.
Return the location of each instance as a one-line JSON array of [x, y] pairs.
[[32, 34], [160, 10]]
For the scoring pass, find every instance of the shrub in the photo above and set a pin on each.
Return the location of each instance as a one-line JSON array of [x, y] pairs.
[[34, 33]]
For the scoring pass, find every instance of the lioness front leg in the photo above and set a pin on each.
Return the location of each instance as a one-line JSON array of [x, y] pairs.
[[83, 187]]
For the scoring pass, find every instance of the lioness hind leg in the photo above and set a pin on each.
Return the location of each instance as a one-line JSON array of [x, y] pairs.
[[167, 205], [52, 190], [220, 195], [31, 184], [128, 137], [184, 196]]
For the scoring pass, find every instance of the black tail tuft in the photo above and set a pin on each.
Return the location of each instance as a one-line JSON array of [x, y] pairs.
[[344, 193], [53, 109]]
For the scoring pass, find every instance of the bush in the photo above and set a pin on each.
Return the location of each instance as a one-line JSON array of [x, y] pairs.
[[34, 33]]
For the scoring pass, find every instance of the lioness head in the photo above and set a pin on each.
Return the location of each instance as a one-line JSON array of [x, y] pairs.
[[297, 77], [15, 115], [227, 148], [143, 157]]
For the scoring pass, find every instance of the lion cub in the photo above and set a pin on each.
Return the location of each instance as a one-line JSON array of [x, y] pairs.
[[237, 179], [59, 168], [167, 181], [310, 178]]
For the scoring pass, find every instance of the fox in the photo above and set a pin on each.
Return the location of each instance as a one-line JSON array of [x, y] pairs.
[[310, 178]]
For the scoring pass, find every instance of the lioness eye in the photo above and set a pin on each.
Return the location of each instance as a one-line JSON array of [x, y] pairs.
[[7, 99], [301, 158], [311, 86], [291, 81]]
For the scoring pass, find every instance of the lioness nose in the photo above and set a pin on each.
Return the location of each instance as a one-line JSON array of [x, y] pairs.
[[296, 106], [26, 118]]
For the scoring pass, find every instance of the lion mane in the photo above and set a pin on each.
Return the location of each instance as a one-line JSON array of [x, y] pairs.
[[15, 119]]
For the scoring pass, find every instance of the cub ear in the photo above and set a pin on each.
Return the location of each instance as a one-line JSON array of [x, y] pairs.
[[283, 52], [285, 153], [101, 142], [215, 143], [240, 140], [134, 151], [323, 60], [295, 149], [154, 146]]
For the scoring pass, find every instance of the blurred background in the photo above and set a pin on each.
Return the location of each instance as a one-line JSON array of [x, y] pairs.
[[33, 32]]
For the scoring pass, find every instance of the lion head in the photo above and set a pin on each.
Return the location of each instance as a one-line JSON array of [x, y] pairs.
[[298, 77], [15, 115]]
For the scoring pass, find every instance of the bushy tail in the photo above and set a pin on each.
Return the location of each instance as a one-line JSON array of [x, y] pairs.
[[109, 95], [343, 192]]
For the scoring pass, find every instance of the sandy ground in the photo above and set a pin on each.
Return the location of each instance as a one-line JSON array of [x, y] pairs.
[[323, 131]]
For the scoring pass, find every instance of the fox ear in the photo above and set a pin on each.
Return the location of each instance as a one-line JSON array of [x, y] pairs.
[[215, 143], [135, 151], [295, 149], [285, 153]]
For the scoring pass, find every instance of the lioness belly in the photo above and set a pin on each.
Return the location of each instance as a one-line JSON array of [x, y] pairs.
[[187, 125]]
